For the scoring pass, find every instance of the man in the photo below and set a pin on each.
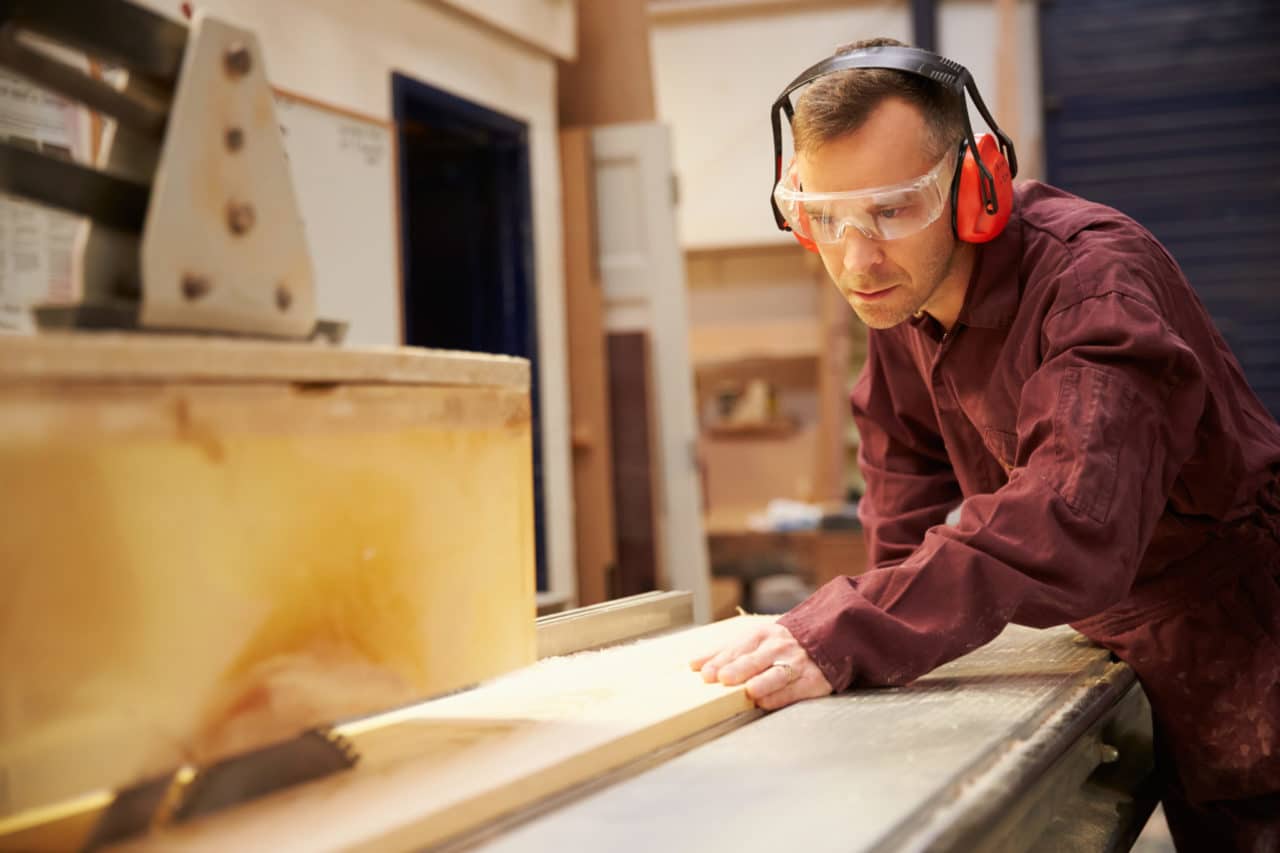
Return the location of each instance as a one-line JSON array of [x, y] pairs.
[[1064, 386]]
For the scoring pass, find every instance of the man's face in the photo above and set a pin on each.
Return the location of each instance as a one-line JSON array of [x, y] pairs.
[[886, 281]]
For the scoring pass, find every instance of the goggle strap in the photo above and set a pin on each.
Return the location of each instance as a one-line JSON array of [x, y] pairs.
[[776, 117]]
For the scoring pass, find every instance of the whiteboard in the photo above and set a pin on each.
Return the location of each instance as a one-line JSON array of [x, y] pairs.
[[344, 175]]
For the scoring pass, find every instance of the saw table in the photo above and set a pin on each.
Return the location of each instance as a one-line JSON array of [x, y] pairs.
[[1038, 741], [1035, 742]]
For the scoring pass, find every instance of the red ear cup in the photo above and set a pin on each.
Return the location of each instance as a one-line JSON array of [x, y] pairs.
[[973, 224]]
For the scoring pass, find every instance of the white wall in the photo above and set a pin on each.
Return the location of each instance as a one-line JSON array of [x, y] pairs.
[[547, 24], [716, 75], [343, 52], [966, 33]]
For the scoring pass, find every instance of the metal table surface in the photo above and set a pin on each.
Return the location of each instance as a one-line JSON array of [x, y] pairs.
[[987, 752]]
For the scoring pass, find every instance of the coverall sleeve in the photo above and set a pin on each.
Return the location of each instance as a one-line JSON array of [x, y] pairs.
[[1104, 425]]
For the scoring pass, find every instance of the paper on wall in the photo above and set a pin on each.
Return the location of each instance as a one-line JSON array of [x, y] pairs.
[[36, 241]]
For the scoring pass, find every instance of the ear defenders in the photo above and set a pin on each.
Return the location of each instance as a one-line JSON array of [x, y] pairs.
[[973, 220], [982, 188]]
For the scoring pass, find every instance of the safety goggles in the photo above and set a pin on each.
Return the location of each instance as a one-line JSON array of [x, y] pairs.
[[882, 213]]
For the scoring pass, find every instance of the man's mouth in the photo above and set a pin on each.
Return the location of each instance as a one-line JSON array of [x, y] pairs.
[[871, 295]]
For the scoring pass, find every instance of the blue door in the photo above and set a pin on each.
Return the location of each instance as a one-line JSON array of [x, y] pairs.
[[467, 238], [1169, 110]]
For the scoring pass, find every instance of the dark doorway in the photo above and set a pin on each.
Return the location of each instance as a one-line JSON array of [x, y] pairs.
[[1169, 110], [467, 237]]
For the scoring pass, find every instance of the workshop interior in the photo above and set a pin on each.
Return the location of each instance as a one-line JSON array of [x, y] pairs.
[[396, 396]]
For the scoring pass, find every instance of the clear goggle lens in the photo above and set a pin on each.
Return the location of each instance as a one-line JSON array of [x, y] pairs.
[[883, 213]]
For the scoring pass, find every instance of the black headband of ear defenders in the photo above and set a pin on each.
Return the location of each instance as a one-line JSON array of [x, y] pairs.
[[911, 60]]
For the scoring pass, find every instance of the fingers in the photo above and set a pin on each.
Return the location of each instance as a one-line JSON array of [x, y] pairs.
[[711, 667], [771, 680], [753, 663], [812, 685], [697, 663]]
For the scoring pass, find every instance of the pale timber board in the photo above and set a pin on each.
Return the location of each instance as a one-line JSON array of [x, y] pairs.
[[867, 770], [457, 763], [155, 358]]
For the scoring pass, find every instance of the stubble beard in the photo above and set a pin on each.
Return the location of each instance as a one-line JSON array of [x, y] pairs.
[[908, 301]]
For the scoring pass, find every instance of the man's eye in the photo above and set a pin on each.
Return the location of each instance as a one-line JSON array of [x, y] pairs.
[[890, 212]]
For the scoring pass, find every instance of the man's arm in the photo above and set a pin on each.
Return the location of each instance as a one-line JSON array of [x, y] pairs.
[[1104, 426], [910, 488], [910, 483]]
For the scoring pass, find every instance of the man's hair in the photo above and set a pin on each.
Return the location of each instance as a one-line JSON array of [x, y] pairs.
[[840, 103]]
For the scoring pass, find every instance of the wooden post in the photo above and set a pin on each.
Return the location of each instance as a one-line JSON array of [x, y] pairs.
[[590, 429], [1007, 112], [611, 82]]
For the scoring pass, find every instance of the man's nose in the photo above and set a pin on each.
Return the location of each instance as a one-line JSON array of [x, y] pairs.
[[861, 253]]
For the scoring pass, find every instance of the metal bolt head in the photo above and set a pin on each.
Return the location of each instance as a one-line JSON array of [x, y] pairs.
[[1108, 753], [240, 217], [284, 298], [195, 286], [238, 61], [234, 139]]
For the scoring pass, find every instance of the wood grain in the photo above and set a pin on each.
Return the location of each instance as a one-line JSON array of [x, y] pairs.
[[588, 375], [192, 569], [441, 768], [632, 416]]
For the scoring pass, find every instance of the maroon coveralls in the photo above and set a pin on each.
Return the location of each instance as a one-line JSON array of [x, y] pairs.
[[1116, 473]]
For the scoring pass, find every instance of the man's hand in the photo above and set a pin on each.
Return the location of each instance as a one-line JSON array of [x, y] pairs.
[[776, 669]]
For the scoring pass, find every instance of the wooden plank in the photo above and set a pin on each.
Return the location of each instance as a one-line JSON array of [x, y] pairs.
[[588, 374], [938, 765], [193, 569], [631, 414], [441, 768], [168, 358]]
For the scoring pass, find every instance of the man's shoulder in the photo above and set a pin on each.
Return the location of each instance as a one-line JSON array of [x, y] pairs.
[[1060, 215], [1090, 249]]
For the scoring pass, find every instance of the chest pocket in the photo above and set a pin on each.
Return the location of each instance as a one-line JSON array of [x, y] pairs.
[[1002, 445]]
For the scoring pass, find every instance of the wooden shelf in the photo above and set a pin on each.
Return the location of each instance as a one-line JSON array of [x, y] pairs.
[[784, 353], [776, 428], [713, 345]]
